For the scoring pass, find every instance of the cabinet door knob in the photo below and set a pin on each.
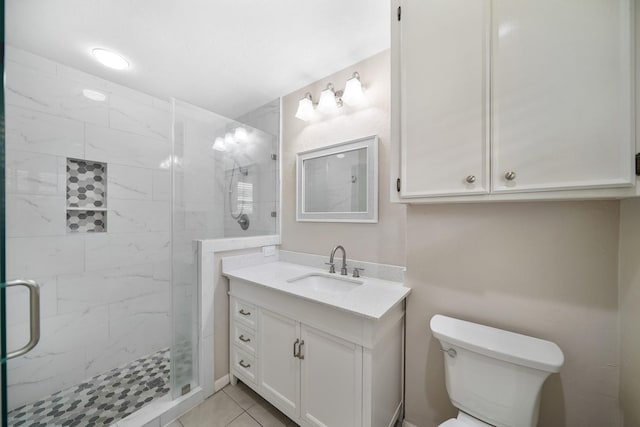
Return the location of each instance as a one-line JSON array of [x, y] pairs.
[[471, 179], [510, 176]]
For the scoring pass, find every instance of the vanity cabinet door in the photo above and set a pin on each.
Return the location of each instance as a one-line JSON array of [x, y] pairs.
[[562, 98], [444, 58], [331, 380], [279, 368]]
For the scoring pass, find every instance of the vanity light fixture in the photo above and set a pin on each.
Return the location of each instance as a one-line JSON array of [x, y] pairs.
[[329, 101], [353, 94], [94, 95], [110, 59], [305, 108]]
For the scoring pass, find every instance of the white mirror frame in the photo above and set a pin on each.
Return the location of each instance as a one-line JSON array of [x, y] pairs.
[[371, 214]]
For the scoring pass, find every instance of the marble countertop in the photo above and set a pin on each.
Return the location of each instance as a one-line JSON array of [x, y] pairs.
[[372, 299]]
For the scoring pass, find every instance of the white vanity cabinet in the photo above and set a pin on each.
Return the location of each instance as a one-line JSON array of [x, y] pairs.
[[320, 365], [515, 96]]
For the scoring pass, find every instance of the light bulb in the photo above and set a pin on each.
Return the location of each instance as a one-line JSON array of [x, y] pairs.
[[240, 134], [305, 108], [228, 139], [219, 144], [353, 94], [327, 103]]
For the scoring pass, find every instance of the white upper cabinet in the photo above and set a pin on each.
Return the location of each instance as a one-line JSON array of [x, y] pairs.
[[532, 97], [561, 94], [445, 97]]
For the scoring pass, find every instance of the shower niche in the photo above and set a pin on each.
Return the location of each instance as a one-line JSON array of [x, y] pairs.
[[86, 196]]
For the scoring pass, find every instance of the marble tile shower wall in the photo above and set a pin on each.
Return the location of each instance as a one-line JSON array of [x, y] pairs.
[[105, 296]]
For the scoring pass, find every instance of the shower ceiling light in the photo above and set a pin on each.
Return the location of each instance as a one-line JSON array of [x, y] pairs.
[[110, 59], [305, 108]]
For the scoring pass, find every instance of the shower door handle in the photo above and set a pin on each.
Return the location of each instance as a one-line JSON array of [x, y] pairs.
[[34, 316]]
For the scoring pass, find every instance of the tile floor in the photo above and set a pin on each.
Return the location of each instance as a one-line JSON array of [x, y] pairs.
[[234, 406]]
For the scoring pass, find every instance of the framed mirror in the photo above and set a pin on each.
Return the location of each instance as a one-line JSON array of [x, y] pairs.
[[338, 183]]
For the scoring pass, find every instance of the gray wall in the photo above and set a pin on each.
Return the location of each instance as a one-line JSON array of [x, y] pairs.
[[382, 242], [546, 269], [629, 298]]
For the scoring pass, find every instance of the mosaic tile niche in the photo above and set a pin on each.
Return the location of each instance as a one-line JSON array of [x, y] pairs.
[[86, 196]]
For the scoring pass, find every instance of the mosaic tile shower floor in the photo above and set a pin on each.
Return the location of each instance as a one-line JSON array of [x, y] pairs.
[[104, 399]]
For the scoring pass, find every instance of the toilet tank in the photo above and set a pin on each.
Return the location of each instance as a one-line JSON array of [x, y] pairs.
[[492, 374]]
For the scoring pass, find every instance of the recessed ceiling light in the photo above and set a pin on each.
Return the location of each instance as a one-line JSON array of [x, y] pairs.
[[94, 95], [110, 59]]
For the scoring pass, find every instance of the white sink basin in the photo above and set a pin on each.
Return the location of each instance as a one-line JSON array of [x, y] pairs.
[[328, 283]]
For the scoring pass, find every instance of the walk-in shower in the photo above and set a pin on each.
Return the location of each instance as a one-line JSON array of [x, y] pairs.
[[104, 201]]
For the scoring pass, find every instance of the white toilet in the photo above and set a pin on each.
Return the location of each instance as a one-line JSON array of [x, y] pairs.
[[493, 377]]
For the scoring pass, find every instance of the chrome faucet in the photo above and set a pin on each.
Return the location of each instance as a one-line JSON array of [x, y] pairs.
[[332, 268]]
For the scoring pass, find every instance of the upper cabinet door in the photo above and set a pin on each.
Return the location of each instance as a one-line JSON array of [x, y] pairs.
[[444, 97], [561, 94]]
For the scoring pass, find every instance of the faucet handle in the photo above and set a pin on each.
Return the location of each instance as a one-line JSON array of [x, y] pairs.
[[332, 268], [356, 271]]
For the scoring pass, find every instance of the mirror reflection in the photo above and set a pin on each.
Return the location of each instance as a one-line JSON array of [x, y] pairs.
[[339, 183]]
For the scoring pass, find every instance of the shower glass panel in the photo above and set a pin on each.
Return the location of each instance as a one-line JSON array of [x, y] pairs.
[[88, 217], [231, 188]]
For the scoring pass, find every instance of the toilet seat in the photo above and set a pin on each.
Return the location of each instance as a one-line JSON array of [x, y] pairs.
[[464, 420]]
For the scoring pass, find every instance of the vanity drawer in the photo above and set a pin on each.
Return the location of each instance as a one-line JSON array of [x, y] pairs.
[[244, 313], [244, 338], [244, 364]]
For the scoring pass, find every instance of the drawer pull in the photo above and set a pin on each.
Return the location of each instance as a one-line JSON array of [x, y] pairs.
[[296, 351], [244, 313], [245, 366], [243, 339], [300, 351]]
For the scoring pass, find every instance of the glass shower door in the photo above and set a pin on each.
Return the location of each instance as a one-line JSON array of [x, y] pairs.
[[86, 213]]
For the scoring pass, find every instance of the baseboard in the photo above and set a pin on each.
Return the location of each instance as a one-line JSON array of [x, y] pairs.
[[406, 423], [220, 383]]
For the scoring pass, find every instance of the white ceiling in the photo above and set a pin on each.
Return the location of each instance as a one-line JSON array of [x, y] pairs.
[[228, 56]]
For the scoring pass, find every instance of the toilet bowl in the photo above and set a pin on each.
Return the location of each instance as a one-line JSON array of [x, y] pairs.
[[494, 377]]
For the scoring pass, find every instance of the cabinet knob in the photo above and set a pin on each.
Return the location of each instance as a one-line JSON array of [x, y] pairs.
[[471, 179], [510, 176]]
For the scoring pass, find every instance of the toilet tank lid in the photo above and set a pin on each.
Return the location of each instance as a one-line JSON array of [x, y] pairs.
[[497, 343]]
